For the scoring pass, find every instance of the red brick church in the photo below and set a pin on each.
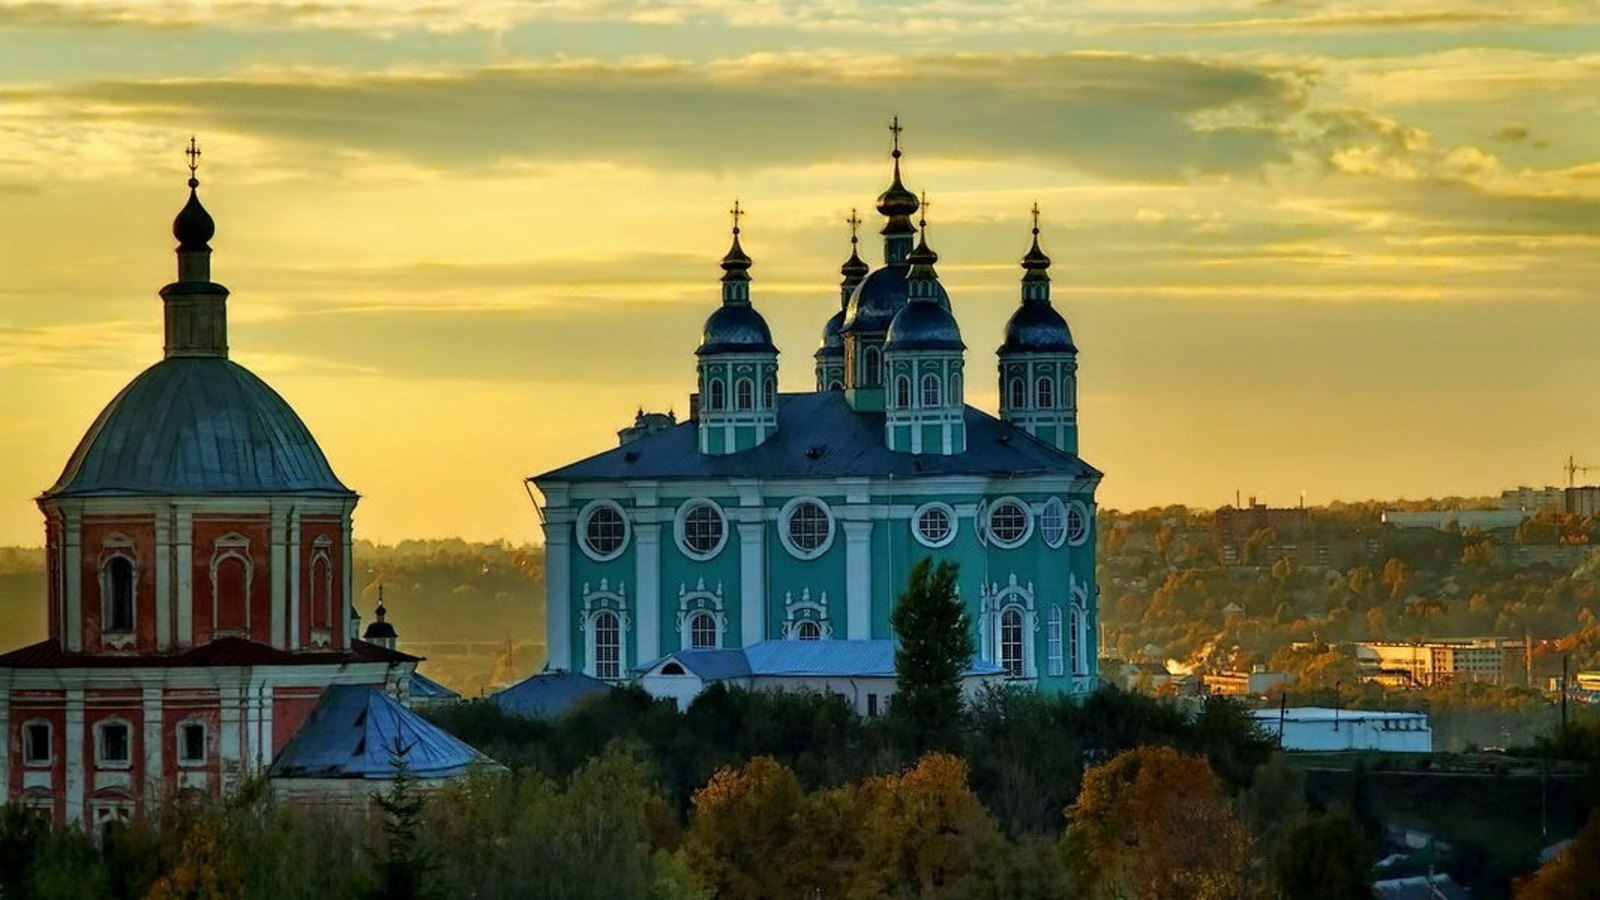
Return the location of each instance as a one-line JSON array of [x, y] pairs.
[[200, 592]]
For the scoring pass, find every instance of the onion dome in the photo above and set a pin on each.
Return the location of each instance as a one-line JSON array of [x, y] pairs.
[[380, 630], [832, 343], [896, 200], [923, 324], [735, 326], [853, 270], [193, 226], [1036, 326]]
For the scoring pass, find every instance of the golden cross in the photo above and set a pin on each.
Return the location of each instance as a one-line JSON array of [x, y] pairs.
[[194, 155], [736, 212], [1036, 217], [895, 129], [855, 224], [922, 221]]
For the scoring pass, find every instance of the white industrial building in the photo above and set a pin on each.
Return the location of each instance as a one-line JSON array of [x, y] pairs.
[[1320, 729]]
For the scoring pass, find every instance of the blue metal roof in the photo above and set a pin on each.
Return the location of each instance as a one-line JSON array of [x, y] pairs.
[[548, 695], [821, 659], [197, 425], [425, 688], [820, 436], [354, 733]]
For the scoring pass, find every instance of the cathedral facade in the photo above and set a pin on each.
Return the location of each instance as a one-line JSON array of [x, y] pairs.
[[798, 516]]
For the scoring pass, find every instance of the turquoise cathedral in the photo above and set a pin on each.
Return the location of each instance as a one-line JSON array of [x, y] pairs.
[[798, 516]]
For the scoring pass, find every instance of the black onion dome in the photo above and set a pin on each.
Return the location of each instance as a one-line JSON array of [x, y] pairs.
[[924, 326], [832, 337], [379, 631], [1037, 328], [193, 227], [896, 200], [1035, 260], [923, 255], [735, 328], [879, 297], [854, 268], [736, 259]]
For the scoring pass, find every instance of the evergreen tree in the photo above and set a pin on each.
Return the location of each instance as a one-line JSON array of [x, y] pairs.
[[405, 869], [936, 646]]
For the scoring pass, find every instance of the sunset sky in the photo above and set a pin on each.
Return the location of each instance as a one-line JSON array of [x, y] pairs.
[[1346, 248]]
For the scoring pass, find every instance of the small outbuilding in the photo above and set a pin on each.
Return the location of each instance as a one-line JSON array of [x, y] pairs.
[[1320, 729]]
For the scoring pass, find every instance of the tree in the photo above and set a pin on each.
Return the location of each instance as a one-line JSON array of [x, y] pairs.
[[925, 834], [1154, 824], [936, 645], [405, 867], [1325, 858], [1573, 874], [746, 837]]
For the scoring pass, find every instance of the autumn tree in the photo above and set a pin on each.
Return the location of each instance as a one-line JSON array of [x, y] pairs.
[[925, 834], [746, 835], [935, 648], [1572, 874], [1154, 824]]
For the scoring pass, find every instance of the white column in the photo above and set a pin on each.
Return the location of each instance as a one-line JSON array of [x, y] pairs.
[[74, 755], [184, 544], [752, 583], [163, 564], [558, 594], [647, 585], [858, 580], [154, 719], [291, 558], [72, 546], [346, 526], [276, 559], [230, 753]]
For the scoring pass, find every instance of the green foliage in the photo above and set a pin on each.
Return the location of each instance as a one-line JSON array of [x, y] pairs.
[[405, 865], [1324, 858], [935, 647]]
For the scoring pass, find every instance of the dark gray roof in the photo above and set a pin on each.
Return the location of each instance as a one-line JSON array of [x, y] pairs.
[[832, 337], [1037, 327], [821, 436], [425, 688], [920, 325], [548, 694], [355, 732], [736, 328], [879, 296], [795, 659], [197, 425]]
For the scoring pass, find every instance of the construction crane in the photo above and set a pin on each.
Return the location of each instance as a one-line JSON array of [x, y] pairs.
[[1573, 469]]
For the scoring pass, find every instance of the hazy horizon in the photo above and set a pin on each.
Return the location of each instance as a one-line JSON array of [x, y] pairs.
[[1341, 247]]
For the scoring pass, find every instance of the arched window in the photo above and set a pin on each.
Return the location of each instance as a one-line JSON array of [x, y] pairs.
[[836, 386], [119, 582], [231, 603], [1045, 392], [930, 391], [902, 392], [1053, 642], [744, 394], [1019, 394], [321, 592], [872, 367], [955, 390], [769, 394], [715, 394], [807, 630], [1011, 642], [1075, 635], [702, 631], [607, 645]]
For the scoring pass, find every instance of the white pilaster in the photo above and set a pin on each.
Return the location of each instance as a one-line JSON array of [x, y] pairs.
[[752, 583], [346, 527], [72, 547], [558, 594], [184, 544], [858, 580], [291, 555], [230, 726], [74, 755], [647, 585], [277, 556], [163, 564], [153, 747]]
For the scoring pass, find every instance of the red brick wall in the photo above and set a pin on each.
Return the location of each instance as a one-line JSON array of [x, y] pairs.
[[310, 529], [229, 609], [28, 706], [127, 706], [142, 531]]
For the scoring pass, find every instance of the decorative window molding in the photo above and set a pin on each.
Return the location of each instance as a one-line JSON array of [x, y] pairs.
[[606, 623], [716, 394], [1053, 523], [769, 393], [1078, 625], [1010, 522], [1007, 622], [113, 744], [805, 619], [694, 606], [902, 392], [1077, 523], [872, 364], [932, 392], [700, 528], [744, 394], [118, 565], [603, 530], [807, 527], [1044, 392], [321, 591], [1019, 394], [38, 743], [231, 547], [956, 397], [191, 744], [934, 524], [1053, 649]]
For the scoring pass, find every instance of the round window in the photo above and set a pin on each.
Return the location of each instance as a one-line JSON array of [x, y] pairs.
[[1053, 522], [1077, 523], [934, 524], [604, 529], [807, 528], [701, 529], [1009, 522]]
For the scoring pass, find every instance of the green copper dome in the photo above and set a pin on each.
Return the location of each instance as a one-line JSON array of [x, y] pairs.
[[197, 426]]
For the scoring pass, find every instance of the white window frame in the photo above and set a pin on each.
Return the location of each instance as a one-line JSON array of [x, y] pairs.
[[1081, 509], [231, 546], [872, 364], [118, 546], [100, 760], [699, 601], [1027, 522], [1000, 642], [769, 393], [931, 394], [744, 395], [804, 625], [716, 394], [49, 744], [902, 391], [788, 512], [806, 610], [1018, 393], [1053, 506], [180, 745], [680, 524], [594, 645], [1054, 652], [1044, 392], [586, 514], [712, 626], [916, 524]]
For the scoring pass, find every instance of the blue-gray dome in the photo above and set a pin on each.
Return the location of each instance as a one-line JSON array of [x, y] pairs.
[[1037, 328], [735, 328], [923, 326], [197, 425], [832, 337], [879, 297]]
